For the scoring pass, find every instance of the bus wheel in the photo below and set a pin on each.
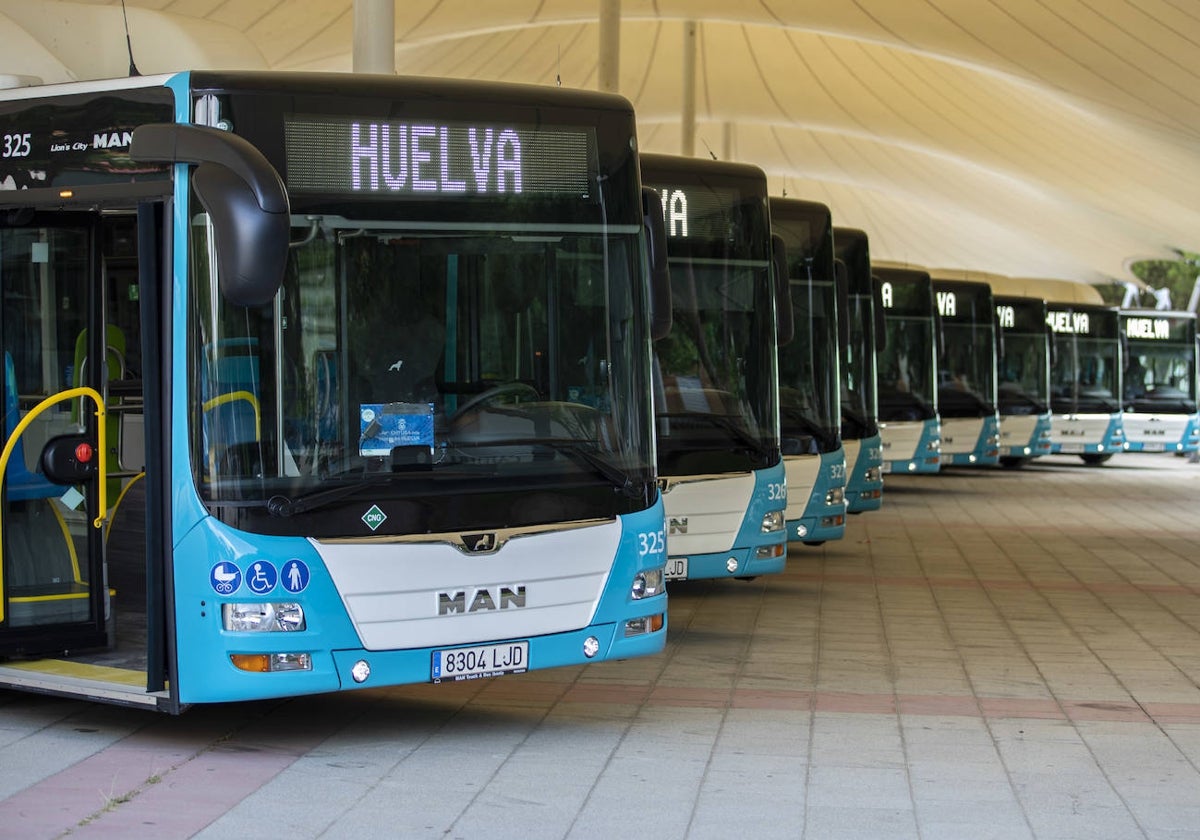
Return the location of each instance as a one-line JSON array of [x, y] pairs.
[[815, 542], [1011, 463], [1095, 460]]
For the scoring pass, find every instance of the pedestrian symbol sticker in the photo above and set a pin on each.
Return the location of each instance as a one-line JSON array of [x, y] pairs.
[[295, 576], [261, 577], [225, 578]]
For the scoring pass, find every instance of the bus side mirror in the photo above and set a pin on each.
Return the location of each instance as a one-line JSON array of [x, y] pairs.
[[785, 317], [244, 196], [660, 275]]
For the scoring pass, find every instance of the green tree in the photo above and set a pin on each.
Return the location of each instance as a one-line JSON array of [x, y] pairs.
[[1177, 275]]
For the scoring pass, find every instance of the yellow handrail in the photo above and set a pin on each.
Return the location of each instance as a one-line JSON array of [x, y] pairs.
[[234, 396], [102, 456]]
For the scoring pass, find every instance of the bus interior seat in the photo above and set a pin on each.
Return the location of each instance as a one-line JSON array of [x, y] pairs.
[[22, 484]]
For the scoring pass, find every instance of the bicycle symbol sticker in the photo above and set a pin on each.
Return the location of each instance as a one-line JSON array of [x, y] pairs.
[[261, 577], [225, 578]]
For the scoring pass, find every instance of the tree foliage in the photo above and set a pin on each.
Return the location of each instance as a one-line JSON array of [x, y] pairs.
[[1177, 275]]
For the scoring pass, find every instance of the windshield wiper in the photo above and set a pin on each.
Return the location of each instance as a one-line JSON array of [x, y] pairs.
[[792, 419], [281, 505], [584, 452], [747, 440]]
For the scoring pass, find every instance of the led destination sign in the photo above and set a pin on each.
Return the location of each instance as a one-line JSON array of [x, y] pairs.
[[708, 212], [437, 158], [1077, 323], [1151, 328], [1096, 323], [947, 304], [906, 298]]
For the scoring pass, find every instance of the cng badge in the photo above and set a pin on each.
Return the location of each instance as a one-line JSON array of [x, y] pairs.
[[374, 517]]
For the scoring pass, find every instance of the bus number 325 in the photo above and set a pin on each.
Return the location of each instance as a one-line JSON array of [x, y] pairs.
[[16, 145], [651, 542]]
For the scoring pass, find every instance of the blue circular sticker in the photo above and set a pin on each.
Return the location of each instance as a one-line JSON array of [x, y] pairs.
[[261, 577], [225, 578], [295, 576]]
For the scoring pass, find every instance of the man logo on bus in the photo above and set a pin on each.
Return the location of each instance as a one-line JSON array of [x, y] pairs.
[[482, 600]]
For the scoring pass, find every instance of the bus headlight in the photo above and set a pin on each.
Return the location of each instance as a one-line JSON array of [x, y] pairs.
[[285, 617], [646, 584], [934, 445], [836, 496], [873, 475], [772, 522]]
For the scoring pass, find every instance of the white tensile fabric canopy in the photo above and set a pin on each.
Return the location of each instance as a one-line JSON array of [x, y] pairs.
[[1053, 138]]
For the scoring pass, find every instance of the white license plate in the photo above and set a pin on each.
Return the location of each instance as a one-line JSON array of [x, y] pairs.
[[677, 568], [1154, 447], [885, 467], [1071, 448], [471, 663]]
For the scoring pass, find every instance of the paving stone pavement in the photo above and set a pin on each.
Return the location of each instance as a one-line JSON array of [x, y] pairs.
[[994, 654]]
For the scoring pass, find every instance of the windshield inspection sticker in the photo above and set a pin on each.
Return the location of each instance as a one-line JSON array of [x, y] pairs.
[[385, 426]]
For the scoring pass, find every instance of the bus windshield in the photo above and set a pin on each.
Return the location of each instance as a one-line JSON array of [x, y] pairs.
[[966, 365], [809, 403], [809, 374], [1160, 373], [445, 361], [1023, 364], [1086, 373], [907, 389], [1084, 376], [1023, 383], [716, 394]]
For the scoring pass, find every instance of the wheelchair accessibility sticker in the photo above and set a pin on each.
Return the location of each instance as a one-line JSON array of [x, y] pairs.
[[225, 578], [261, 577]]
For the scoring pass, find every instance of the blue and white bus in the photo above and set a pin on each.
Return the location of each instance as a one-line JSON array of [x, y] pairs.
[[810, 375], [320, 382], [1160, 381], [909, 425], [860, 403], [1023, 378], [966, 323], [1085, 372], [716, 393]]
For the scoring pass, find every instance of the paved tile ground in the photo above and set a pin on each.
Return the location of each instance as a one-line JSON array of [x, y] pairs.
[[995, 654]]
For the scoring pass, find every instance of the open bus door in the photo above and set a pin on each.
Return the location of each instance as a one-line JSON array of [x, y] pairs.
[[74, 575], [52, 575]]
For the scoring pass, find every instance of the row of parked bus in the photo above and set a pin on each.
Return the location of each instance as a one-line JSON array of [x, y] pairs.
[[1011, 369], [319, 382]]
